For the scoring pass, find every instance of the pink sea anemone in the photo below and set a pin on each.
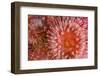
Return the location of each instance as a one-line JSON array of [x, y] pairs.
[[67, 37]]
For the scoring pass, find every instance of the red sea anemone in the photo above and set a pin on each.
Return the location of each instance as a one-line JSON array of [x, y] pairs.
[[67, 37], [57, 37]]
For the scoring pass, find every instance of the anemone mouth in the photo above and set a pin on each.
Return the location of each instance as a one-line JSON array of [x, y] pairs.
[[69, 40], [57, 37]]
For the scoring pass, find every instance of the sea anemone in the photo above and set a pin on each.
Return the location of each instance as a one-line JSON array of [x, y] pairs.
[[67, 37], [36, 38]]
